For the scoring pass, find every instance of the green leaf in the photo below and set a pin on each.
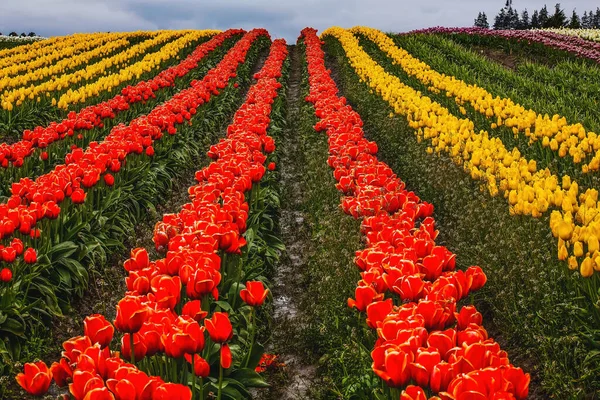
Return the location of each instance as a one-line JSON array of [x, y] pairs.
[[249, 378]]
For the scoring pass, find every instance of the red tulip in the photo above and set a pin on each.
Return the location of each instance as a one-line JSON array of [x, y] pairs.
[[44, 156], [413, 393], [254, 294], [193, 308], [98, 329], [466, 316], [35, 379], [84, 383], [365, 295], [109, 180], [226, 358], [139, 346], [30, 256], [61, 371], [392, 365], [172, 391], [131, 314], [201, 367], [17, 244], [9, 254], [441, 375], [219, 327], [74, 347], [78, 196], [5, 275], [185, 336], [377, 311], [167, 290], [150, 151], [271, 166]]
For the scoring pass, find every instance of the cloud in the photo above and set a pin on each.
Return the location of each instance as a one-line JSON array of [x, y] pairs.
[[283, 18]]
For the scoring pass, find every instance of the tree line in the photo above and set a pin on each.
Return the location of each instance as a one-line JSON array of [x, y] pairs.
[[14, 34], [510, 18]]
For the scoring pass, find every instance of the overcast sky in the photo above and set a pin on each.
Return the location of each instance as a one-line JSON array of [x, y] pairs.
[[283, 18]]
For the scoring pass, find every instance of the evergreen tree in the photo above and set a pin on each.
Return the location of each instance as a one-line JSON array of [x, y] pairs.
[[31, 34], [575, 22], [558, 19], [596, 19], [13, 34], [543, 17], [481, 21], [500, 20], [524, 22], [512, 17], [535, 21], [585, 21]]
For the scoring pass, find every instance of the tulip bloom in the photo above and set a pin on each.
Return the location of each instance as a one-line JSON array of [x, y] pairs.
[[254, 294], [193, 308], [30, 256], [219, 327], [172, 391], [61, 371], [98, 329], [201, 367], [184, 337], [225, 358], [131, 314], [35, 379], [5, 275]]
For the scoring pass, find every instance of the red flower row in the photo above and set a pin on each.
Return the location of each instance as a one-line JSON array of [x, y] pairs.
[[32, 201], [422, 340], [93, 116], [155, 315]]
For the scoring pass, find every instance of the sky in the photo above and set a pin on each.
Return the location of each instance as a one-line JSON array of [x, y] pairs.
[[283, 18]]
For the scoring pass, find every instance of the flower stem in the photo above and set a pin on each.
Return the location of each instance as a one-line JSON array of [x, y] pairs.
[[252, 335], [220, 381]]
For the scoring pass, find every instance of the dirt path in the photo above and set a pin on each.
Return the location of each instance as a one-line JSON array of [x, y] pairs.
[[293, 380]]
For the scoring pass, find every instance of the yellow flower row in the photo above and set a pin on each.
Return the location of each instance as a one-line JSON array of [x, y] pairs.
[[529, 191], [43, 67], [589, 34], [554, 132], [148, 63], [17, 96], [26, 53], [34, 47]]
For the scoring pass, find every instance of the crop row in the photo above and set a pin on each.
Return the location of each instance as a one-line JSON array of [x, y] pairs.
[[416, 342], [163, 323]]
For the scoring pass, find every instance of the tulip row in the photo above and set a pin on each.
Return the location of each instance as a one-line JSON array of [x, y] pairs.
[[528, 190], [59, 272], [415, 340], [35, 200], [41, 68], [164, 325], [149, 62], [27, 52], [95, 116], [588, 34], [571, 44], [555, 89], [16, 97], [554, 132], [60, 53]]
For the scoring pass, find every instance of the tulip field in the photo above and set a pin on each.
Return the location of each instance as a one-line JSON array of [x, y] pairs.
[[205, 214]]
